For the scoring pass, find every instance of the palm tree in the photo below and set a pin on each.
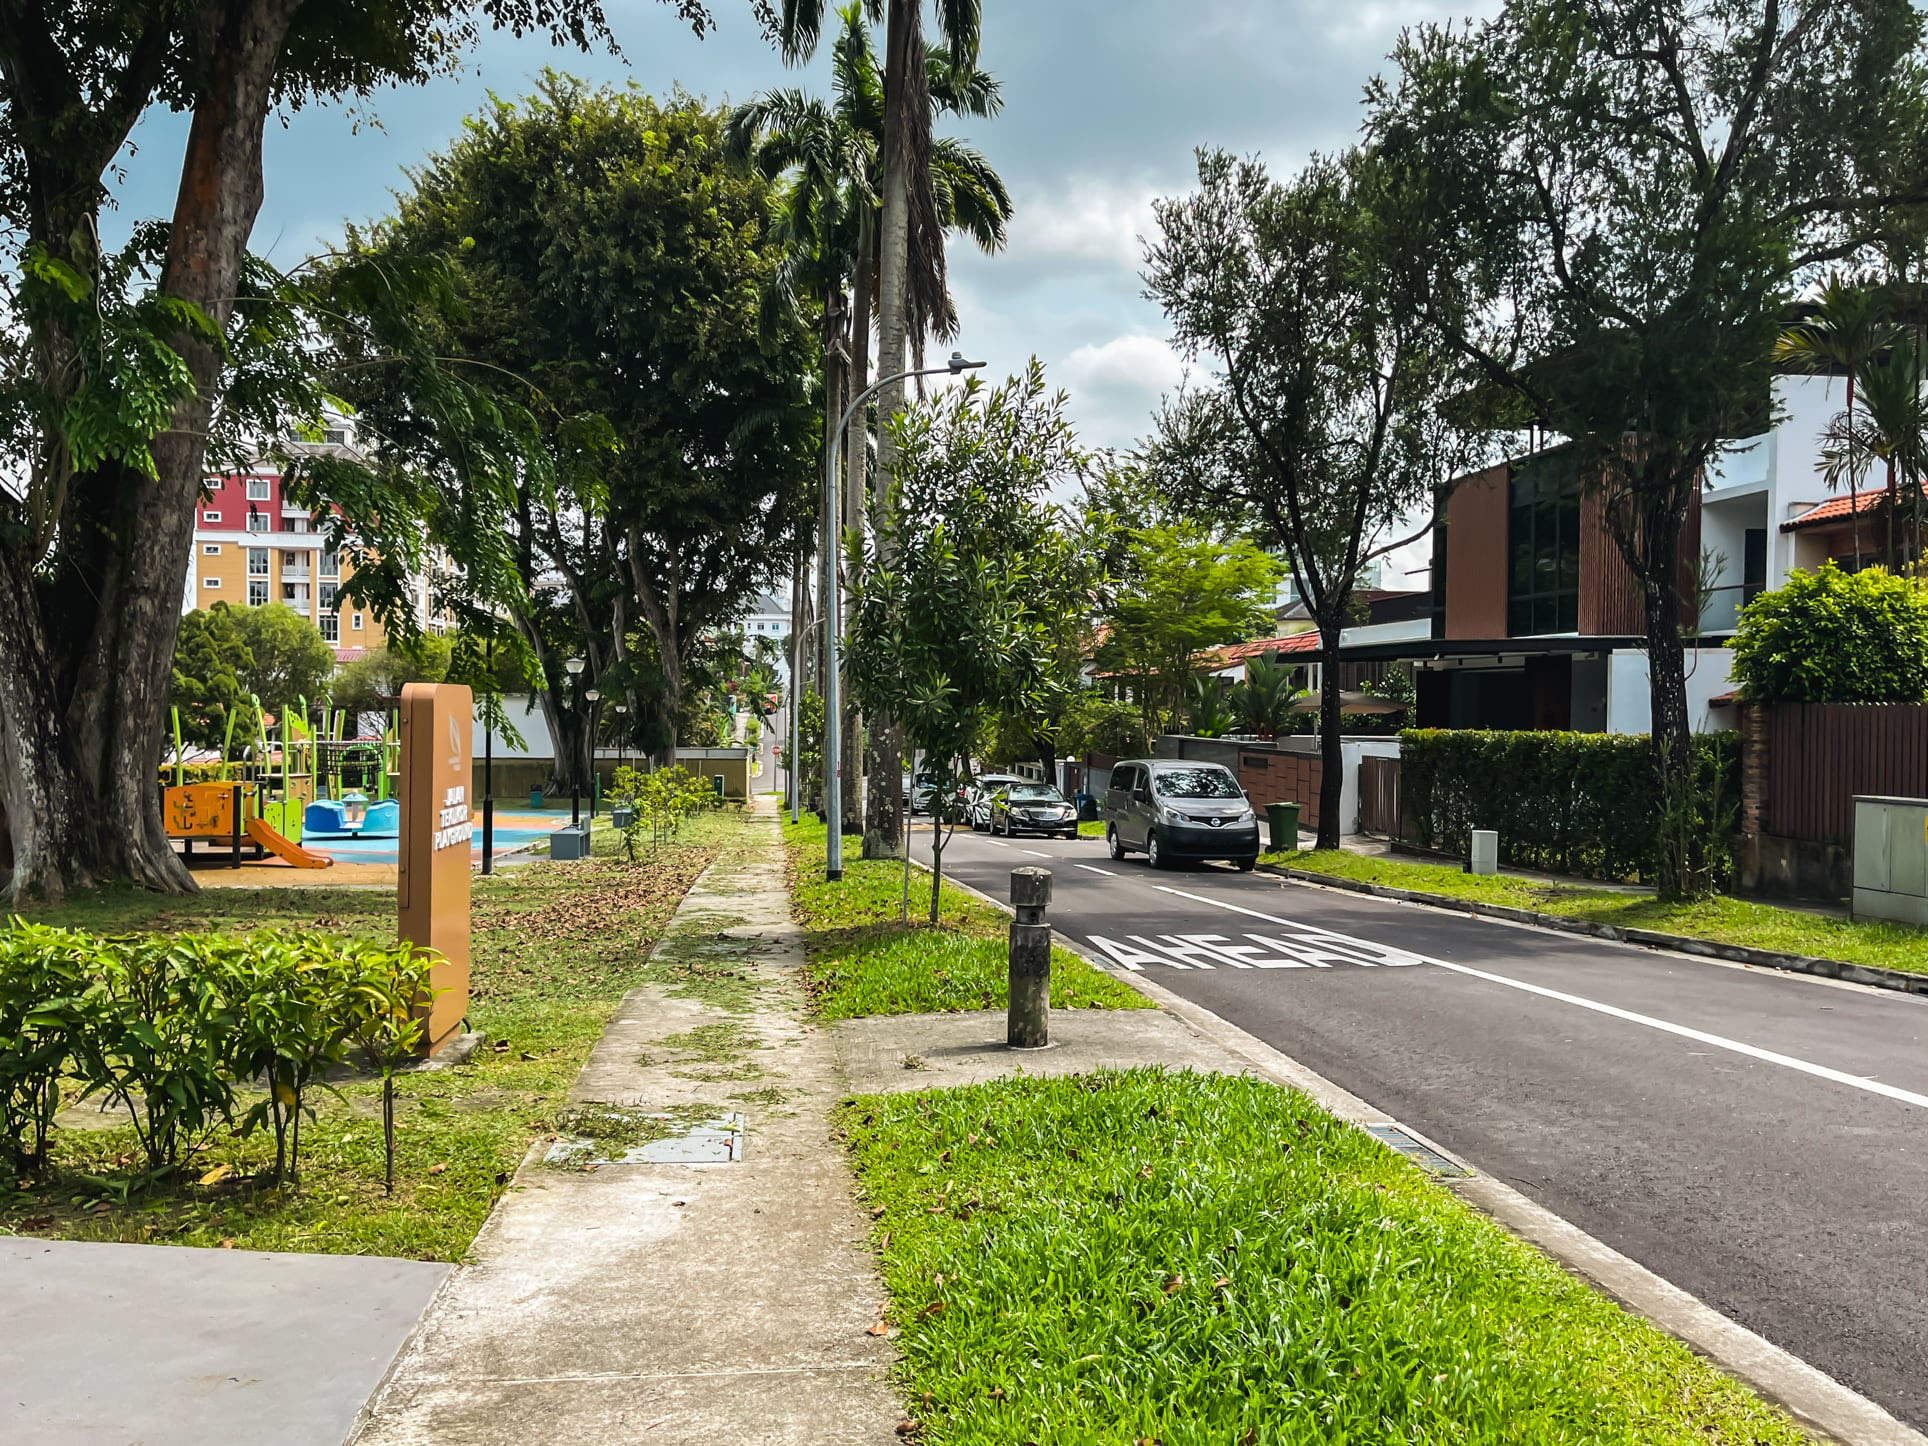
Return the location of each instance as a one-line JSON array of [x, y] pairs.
[[918, 187], [1851, 326], [1890, 429]]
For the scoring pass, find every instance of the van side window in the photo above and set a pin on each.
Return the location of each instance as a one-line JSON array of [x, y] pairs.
[[1121, 778]]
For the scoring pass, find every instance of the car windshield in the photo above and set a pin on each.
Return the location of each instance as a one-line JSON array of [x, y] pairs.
[[1195, 783], [1036, 793]]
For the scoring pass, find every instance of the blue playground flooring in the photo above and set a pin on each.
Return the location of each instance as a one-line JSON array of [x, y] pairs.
[[514, 829]]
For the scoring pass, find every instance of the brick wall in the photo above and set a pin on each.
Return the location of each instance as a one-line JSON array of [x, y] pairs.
[[1283, 778]]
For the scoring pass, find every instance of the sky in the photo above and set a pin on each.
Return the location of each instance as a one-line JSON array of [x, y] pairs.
[[1105, 102]]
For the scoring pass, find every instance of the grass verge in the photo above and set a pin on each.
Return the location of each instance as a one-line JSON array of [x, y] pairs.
[[1187, 1259], [863, 961], [1719, 920], [554, 947]]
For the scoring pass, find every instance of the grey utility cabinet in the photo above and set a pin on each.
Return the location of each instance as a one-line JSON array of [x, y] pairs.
[[1891, 859]]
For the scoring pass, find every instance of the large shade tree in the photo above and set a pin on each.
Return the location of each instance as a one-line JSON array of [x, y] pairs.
[[111, 378], [1323, 428], [1616, 202], [609, 269]]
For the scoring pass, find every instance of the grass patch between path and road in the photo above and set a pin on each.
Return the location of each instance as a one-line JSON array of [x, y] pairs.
[[554, 947], [1201, 1260], [1719, 920], [863, 961]]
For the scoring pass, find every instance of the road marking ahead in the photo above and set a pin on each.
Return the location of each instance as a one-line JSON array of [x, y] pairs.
[[1034, 853], [1093, 868], [1735, 1046]]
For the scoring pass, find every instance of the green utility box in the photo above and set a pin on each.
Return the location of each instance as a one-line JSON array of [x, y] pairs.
[[1284, 821]]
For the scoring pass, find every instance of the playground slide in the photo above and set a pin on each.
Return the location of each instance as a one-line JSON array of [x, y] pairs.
[[278, 845]]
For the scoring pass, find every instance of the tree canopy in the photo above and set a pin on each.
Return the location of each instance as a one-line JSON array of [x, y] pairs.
[[609, 270]]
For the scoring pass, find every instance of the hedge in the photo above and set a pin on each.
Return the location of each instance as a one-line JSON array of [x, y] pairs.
[[176, 1029], [1568, 803]]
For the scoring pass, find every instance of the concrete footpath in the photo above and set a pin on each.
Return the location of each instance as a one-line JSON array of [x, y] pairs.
[[689, 1265], [106, 1344]]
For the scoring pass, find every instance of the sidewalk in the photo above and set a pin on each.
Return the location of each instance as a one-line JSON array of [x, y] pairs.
[[664, 1301]]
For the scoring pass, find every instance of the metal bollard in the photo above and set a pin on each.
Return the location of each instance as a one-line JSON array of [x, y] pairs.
[[1028, 1024]]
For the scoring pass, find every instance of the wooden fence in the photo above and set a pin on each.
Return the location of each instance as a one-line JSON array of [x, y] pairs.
[[1381, 808], [1820, 755]]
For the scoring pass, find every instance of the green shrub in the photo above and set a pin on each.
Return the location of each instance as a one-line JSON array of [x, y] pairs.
[[173, 1028], [1835, 637], [660, 800], [1570, 803], [40, 984]]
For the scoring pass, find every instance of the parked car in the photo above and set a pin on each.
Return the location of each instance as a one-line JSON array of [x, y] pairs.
[[920, 796], [1174, 809], [1026, 807], [977, 798]]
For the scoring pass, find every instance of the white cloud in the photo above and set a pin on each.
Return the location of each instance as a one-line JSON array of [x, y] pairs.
[[1089, 221], [1116, 385]]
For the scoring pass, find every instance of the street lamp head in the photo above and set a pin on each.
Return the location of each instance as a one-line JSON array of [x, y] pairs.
[[959, 364], [593, 695], [574, 667], [621, 708]]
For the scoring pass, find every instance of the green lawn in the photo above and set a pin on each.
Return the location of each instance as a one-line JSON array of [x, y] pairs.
[[554, 948], [1721, 920], [862, 961], [1203, 1260]]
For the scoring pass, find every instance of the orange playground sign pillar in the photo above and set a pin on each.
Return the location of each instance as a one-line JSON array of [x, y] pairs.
[[432, 890]]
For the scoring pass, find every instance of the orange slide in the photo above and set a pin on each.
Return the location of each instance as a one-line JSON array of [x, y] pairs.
[[285, 848]]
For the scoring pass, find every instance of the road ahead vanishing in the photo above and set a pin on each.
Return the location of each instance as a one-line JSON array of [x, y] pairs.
[[1759, 1139]]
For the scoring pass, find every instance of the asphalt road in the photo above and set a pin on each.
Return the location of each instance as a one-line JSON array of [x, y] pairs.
[[1759, 1139]]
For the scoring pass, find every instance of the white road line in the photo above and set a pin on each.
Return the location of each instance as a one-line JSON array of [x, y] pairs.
[[1093, 868], [997, 843], [1786, 1061], [1034, 853]]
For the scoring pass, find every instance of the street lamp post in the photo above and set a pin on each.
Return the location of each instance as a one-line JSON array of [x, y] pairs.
[[833, 611], [488, 777], [592, 697], [574, 668]]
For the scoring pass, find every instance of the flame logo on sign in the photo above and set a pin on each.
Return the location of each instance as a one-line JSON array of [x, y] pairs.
[[455, 746]]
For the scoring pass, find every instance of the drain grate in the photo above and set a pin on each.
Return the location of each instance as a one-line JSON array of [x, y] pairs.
[[1424, 1156], [717, 1141]]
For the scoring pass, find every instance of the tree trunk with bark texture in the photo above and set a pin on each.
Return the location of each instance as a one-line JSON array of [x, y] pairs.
[[93, 757], [1332, 762], [904, 39]]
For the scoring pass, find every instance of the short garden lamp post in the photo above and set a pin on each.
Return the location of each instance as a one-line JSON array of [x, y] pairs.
[[592, 697], [622, 730], [574, 668]]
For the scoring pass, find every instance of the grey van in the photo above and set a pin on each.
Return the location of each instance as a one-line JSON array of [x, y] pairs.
[[1173, 809]]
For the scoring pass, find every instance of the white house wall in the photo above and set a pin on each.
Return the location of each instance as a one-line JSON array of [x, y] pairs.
[[1709, 675]]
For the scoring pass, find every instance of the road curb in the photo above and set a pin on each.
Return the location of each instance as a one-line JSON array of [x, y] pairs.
[[1866, 974], [1819, 1402]]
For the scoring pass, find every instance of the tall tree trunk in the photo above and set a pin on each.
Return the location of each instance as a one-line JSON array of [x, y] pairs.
[[1332, 762], [1676, 864], [42, 806], [98, 756], [858, 803], [903, 47]]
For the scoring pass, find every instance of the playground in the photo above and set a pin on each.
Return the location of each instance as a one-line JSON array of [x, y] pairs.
[[311, 794]]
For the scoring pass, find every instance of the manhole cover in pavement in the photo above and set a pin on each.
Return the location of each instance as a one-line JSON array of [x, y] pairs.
[[1424, 1156], [676, 1141]]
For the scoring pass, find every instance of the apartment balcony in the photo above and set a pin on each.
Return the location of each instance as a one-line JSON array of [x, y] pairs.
[[295, 574]]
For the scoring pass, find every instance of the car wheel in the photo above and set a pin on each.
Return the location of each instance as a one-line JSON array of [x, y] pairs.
[[1246, 865], [1154, 855], [1114, 843]]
